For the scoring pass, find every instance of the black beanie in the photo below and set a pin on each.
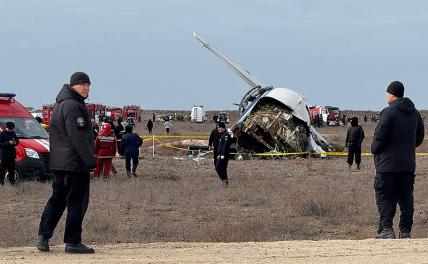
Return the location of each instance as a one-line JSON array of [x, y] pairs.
[[354, 121], [79, 78], [396, 88], [128, 129], [10, 125]]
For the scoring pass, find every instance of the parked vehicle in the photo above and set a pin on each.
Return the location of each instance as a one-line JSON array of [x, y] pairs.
[[131, 114], [32, 152], [198, 114], [330, 116], [222, 117]]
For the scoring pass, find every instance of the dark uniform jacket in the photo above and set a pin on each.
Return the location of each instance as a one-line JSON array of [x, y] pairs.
[[8, 151], [399, 131], [224, 145], [118, 131], [130, 144], [214, 139], [355, 136], [149, 125], [71, 134]]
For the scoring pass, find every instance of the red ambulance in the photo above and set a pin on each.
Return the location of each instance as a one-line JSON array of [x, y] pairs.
[[32, 153]]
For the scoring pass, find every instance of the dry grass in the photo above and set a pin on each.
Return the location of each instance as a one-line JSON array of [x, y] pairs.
[[182, 200]]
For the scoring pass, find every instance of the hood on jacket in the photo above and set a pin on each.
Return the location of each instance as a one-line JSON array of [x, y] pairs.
[[404, 105], [67, 92]]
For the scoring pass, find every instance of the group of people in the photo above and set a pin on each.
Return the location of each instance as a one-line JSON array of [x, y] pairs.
[[400, 130], [167, 124], [119, 140]]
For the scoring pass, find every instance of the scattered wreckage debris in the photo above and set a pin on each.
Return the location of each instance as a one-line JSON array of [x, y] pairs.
[[272, 119]]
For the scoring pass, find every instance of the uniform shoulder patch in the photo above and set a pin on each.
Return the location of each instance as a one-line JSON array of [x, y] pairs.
[[80, 121]]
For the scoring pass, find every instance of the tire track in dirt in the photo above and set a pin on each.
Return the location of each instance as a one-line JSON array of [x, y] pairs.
[[331, 251]]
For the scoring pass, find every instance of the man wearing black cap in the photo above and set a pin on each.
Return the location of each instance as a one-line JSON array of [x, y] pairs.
[[223, 153], [8, 142], [71, 159], [399, 131]]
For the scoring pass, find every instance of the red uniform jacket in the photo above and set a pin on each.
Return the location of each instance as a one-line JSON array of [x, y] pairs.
[[105, 146]]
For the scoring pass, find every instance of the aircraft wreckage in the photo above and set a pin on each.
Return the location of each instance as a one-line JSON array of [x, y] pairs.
[[271, 119]]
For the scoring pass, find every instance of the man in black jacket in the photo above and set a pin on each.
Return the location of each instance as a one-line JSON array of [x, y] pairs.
[[354, 139], [8, 142], [71, 159], [213, 142], [150, 126], [399, 131], [223, 153], [118, 131], [130, 144]]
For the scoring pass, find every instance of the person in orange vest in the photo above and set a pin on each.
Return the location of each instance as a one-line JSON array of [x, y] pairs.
[[105, 150]]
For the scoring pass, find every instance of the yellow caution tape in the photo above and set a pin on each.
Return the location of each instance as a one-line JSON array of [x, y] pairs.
[[156, 138], [180, 137]]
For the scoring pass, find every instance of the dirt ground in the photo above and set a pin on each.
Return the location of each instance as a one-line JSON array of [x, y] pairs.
[[332, 251], [181, 200]]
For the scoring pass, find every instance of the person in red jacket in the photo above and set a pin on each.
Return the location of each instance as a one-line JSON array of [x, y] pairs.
[[105, 150]]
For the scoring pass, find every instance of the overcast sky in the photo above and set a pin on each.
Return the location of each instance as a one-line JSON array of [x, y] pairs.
[[334, 52]]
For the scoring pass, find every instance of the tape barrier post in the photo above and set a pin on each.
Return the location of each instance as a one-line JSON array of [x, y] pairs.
[[153, 139]]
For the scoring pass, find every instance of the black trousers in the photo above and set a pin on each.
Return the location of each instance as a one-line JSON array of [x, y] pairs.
[[7, 166], [119, 147], [221, 168], [215, 153], [390, 189], [128, 163], [71, 191], [354, 150]]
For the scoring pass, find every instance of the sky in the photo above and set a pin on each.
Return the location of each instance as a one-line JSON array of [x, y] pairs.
[[334, 52]]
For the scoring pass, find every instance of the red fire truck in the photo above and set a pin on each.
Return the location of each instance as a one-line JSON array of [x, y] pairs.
[[97, 112], [32, 152], [330, 116], [47, 113], [114, 113], [131, 114]]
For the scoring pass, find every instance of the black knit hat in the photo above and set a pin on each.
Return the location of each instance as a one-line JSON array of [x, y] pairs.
[[79, 78], [10, 125], [354, 121], [128, 129], [396, 88]]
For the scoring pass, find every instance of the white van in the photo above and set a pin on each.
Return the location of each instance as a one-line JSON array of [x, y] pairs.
[[198, 114]]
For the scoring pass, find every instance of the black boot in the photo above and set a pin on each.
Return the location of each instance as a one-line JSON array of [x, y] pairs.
[[386, 234], [78, 248], [404, 235], [42, 243]]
